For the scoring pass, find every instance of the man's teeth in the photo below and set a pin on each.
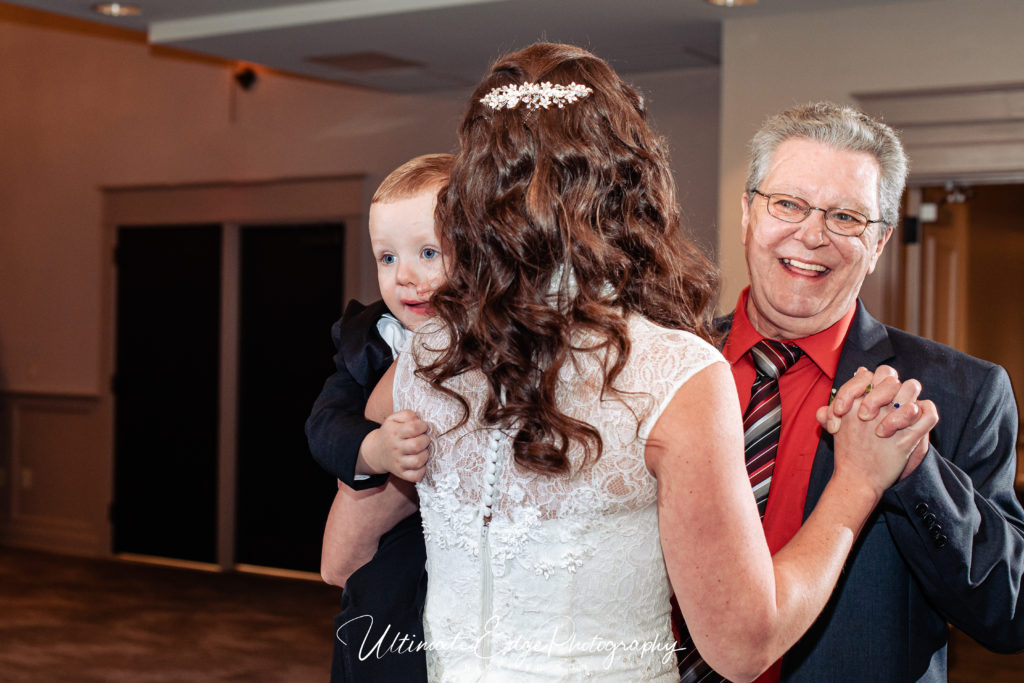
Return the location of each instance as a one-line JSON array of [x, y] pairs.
[[804, 266]]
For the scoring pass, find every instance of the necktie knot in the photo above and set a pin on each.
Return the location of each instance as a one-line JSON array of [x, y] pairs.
[[772, 358]]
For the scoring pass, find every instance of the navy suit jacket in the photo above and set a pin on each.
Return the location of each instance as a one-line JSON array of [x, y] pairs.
[[383, 598], [336, 427], [945, 544]]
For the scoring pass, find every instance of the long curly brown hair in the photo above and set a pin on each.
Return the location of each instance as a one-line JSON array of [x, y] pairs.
[[539, 198]]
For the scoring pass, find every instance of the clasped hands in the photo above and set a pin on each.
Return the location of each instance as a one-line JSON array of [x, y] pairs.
[[880, 428]]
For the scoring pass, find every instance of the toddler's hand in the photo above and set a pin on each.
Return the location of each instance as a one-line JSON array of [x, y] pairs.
[[400, 446]]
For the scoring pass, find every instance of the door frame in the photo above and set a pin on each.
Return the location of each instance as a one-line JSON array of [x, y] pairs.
[[230, 204], [969, 135]]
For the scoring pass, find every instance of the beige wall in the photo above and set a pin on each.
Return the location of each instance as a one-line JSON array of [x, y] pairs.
[[83, 109], [771, 63], [684, 108], [81, 112]]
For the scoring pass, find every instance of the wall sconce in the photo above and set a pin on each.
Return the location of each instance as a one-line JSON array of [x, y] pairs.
[[246, 78], [117, 9]]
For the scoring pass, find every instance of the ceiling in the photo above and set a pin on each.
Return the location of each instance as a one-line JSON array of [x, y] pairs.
[[411, 46]]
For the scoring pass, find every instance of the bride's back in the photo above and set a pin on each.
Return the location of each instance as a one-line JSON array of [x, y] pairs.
[[541, 576]]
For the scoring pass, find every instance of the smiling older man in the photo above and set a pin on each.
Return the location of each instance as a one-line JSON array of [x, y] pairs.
[[947, 541]]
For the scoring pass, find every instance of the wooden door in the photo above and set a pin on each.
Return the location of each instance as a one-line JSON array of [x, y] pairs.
[[945, 270], [291, 283], [166, 391]]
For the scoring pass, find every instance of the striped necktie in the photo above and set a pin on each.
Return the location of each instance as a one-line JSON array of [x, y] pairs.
[[762, 421], [762, 424]]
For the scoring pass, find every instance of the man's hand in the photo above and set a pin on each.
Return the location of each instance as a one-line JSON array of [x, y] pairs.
[[880, 393], [400, 446], [868, 451], [876, 389]]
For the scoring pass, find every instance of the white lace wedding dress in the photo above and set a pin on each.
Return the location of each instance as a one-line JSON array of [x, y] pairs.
[[535, 577]]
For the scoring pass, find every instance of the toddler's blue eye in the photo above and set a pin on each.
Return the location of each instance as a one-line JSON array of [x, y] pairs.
[[429, 253], [388, 259]]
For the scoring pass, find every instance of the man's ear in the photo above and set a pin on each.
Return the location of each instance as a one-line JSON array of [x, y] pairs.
[[745, 221], [878, 249]]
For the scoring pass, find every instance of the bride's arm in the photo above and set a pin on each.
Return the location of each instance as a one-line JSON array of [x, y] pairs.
[[382, 401], [357, 521], [743, 608]]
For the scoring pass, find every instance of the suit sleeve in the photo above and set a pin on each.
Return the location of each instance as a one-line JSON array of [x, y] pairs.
[[957, 522], [336, 426]]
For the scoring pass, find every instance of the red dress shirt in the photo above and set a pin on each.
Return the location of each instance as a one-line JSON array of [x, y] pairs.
[[803, 389]]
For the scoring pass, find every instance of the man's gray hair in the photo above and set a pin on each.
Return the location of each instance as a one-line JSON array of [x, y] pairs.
[[841, 128]]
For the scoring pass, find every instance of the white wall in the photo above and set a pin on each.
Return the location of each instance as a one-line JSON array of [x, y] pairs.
[[771, 63]]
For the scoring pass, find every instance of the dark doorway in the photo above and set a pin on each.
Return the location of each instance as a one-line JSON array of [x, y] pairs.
[[291, 293], [166, 391]]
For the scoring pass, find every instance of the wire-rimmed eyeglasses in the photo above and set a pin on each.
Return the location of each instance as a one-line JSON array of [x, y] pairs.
[[790, 209]]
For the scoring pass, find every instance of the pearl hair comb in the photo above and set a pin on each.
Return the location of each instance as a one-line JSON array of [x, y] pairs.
[[535, 95]]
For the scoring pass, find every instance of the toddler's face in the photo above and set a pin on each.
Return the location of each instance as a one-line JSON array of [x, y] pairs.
[[408, 255]]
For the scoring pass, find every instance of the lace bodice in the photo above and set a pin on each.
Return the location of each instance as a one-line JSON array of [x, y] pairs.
[[566, 580]]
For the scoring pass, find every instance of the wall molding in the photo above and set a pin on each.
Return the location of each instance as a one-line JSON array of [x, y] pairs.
[[38, 423], [965, 135]]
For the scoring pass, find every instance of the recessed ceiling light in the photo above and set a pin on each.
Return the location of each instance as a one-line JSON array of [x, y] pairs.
[[730, 3], [117, 9]]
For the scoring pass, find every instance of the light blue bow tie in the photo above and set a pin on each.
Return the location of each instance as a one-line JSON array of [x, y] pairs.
[[394, 333]]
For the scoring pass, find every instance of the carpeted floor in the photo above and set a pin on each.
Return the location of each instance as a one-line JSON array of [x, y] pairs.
[[75, 619], [971, 663], [72, 619]]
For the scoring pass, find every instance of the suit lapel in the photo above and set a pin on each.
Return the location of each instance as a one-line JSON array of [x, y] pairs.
[[867, 345], [366, 354]]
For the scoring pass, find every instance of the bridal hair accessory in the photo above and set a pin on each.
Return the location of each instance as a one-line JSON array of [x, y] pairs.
[[535, 95]]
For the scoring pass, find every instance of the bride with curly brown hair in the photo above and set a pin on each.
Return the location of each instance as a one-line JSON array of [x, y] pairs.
[[586, 435]]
